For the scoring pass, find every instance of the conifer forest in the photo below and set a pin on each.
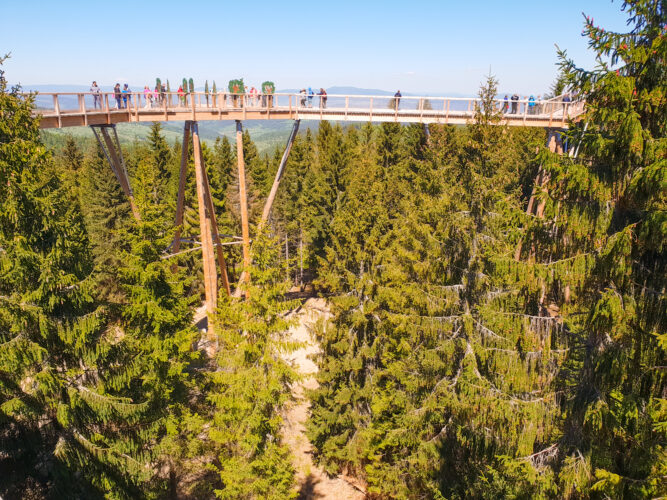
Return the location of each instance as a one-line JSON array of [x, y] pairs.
[[498, 308]]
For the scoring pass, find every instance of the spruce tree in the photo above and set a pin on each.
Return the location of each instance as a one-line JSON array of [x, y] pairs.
[[61, 405], [252, 383], [610, 202], [106, 212]]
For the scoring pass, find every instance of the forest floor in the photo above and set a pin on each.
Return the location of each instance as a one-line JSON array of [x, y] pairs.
[[314, 482]]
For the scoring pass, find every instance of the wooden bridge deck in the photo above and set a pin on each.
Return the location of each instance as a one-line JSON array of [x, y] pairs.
[[59, 110]]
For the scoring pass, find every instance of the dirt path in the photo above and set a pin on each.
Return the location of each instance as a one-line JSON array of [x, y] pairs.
[[313, 482]]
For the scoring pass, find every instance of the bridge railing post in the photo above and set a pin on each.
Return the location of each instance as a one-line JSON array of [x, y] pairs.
[[56, 108]]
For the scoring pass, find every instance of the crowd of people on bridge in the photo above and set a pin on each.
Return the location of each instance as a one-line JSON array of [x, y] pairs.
[[156, 97], [531, 105], [308, 95], [251, 97]]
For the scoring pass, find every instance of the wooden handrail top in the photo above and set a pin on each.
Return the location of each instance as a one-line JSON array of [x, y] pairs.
[[298, 95]]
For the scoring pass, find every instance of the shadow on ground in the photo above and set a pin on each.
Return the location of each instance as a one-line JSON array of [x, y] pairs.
[[307, 490]]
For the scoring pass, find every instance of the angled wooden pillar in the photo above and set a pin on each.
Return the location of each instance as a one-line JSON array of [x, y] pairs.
[[210, 274], [555, 146], [216, 235], [541, 181], [114, 156], [274, 189], [243, 200], [208, 202], [279, 174]]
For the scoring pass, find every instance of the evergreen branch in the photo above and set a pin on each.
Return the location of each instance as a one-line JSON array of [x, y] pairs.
[[486, 330], [115, 402], [524, 353], [538, 459], [99, 450]]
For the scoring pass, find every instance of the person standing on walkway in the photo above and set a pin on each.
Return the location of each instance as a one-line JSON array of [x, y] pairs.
[[310, 97], [181, 95], [323, 98], [126, 93], [506, 105], [515, 104], [302, 95], [397, 99], [97, 95], [566, 101], [531, 105], [117, 95], [148, 97]]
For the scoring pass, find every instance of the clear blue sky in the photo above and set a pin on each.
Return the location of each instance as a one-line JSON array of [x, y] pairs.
[[435, 47]]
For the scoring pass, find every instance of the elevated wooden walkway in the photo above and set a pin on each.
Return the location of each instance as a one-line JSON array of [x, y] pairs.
[[60, 110]]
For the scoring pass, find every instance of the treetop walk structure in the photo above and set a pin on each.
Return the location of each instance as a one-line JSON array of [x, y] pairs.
[[60, 110], [104, 110]]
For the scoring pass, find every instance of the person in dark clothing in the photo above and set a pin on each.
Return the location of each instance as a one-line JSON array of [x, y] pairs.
[[515, 104], [397, 99], [506, 105], [117, 95], [97, 95], [566, 100], [323, 98]]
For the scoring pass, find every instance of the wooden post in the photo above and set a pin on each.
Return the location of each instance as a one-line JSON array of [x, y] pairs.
[[82, 108], [180, 203], [118, 166], [210, 275], [106, 103], [243, 200], [541, 180], [279, 174], [301, 256], [192, 106], [287, 257], [56, 108], [216, 235]]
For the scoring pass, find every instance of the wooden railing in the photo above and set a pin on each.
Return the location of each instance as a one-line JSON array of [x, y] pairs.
[[140, 106]]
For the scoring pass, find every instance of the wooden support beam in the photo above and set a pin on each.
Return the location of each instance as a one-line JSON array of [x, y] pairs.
[[115, 157], [541, 180], [555, 146], [279, 174], [243, 200], [210, 275], [180, 202], [216, 235]]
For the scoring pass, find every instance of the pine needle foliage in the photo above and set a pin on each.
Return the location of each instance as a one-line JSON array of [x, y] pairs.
[[252, 383], [60, 414], [614, 199]]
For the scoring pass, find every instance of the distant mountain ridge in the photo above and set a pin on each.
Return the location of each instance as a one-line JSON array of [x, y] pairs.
[[338, 89]]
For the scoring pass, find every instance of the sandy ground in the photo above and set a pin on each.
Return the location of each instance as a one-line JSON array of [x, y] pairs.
[[313, 482]]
